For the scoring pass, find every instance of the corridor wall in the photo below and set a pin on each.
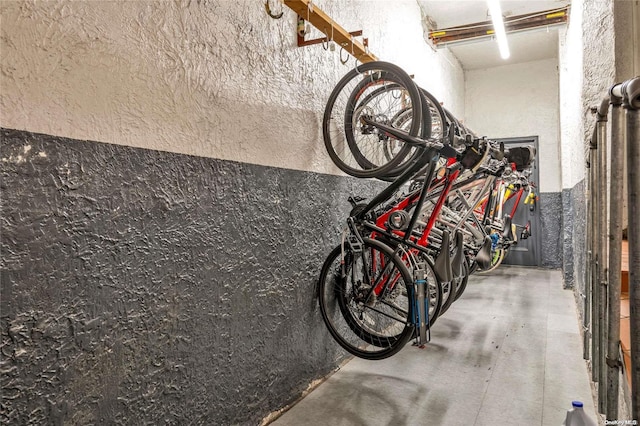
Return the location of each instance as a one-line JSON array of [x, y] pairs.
[[167, 204]]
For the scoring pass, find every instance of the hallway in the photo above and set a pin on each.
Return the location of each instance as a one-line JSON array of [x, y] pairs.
[[508, 352]]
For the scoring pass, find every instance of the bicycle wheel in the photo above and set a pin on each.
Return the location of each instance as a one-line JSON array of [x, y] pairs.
[[383, 92], [437, 116], [368, 324], [497, 256], [435, 291], [387, 104], [433, 127], [461, 282]]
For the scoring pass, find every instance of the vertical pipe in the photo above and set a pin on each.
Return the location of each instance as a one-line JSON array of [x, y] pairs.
[[595, 286], [615, 257], [603, 264], [586, 315], [633, 191]]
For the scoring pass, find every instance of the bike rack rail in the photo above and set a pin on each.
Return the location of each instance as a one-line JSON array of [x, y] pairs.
[[311, 13], [604, 245]]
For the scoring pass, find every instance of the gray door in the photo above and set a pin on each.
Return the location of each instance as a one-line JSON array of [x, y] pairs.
[[526, 252]]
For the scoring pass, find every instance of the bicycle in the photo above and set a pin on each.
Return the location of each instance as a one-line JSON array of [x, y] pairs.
[[383, 284]]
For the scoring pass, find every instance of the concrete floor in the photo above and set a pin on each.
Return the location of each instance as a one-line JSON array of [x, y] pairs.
[[507, 352]]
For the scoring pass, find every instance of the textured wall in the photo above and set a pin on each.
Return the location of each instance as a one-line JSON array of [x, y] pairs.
[[574, 236], [211, 78], [552, 226], [577, 199], [627, 38], [141, 286], [627, 55], [572, 113], [598, 39], [587, 70]]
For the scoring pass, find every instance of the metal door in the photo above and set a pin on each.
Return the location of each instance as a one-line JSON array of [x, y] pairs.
[[526, 252]]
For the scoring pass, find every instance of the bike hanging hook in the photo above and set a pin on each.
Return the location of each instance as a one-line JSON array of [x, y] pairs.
[[325, 41], [332, 44], [355, 59], [267, 7], [343, 61], [307, 28]]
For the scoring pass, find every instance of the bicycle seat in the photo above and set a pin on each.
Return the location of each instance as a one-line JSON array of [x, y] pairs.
[[483, 257], [474, 155], [521, 156], [458, 258], [442, 264], [507, 232]]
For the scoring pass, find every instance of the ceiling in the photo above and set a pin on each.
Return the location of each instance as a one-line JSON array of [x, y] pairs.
[[525, 46]]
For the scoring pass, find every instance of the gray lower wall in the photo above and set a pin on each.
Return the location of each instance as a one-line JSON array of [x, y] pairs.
[[563, 217], [145, 287], [574, 236], [568, 236], [551, 224], [577, 211]]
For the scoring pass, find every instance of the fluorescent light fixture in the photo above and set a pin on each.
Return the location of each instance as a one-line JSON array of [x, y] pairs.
[[498, 27]]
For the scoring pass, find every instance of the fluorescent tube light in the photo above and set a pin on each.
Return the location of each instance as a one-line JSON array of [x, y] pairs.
[[498, 27]]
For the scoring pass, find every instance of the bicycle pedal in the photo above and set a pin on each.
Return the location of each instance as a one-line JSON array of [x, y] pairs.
[[355, 200], [354, 244]]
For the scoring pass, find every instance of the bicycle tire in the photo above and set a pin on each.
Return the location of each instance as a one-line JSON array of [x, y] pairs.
[[434, 286], [461, 283], [367, 328], [384, 151], [496, 260], [342, 104], [438, 118], [434, 125]]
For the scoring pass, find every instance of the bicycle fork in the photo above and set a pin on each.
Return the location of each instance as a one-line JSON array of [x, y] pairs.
[[420, 306]]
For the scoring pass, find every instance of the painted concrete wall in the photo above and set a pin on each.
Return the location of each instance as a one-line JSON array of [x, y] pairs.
[[572, 144], [519, 100], [143, 285], [147, 287], [201, 78], [627, 45], [588, 65]]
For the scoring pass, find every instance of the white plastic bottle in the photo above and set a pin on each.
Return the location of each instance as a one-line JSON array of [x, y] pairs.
[[577, 417]]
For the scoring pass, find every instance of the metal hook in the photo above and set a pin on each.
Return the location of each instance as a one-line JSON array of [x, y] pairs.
[[332, 46], [343, 61], [325, 41], [307, 29], [268, 9]]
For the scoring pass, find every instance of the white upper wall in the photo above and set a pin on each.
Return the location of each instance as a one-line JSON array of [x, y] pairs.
[[571, 107], [218, 79], [517, 101]]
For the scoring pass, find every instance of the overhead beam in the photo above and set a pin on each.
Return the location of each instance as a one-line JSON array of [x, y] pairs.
[[319, 19], [511, 24]]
